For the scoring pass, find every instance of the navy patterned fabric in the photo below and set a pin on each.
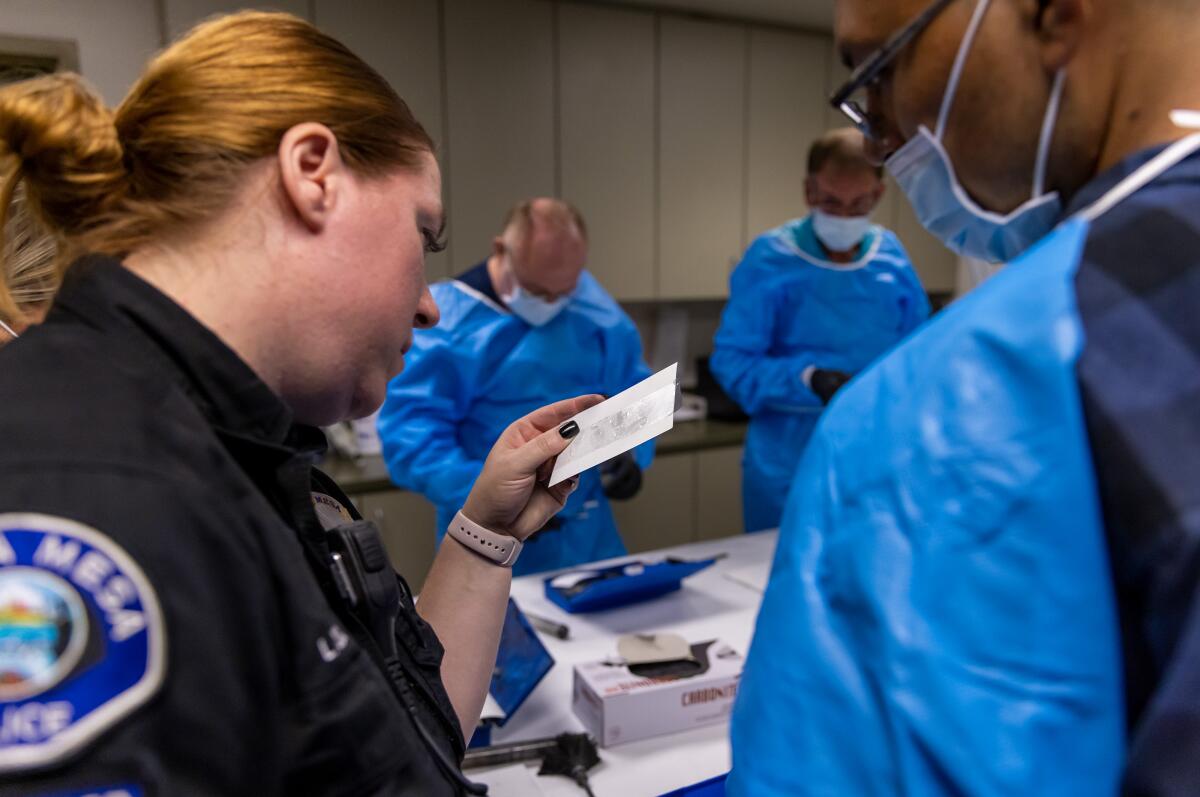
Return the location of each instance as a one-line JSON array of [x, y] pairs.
[[1139, 300]]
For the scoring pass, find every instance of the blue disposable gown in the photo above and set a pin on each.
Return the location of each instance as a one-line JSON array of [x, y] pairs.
[[940, 618], [789, 310], [481, 369]]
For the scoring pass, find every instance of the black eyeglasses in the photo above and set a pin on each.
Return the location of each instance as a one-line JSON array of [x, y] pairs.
[[870, 70]]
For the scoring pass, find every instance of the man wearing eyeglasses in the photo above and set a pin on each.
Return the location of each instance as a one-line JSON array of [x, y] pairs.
[[987, 577], [812, 303]]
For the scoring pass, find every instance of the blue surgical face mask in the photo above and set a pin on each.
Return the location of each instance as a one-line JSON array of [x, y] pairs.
[[840, 233], [533, 310], [925, 173]]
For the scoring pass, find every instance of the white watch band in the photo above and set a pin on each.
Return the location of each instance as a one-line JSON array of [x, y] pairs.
[[499, 548]]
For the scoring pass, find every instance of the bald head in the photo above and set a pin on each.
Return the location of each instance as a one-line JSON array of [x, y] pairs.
[[545, 243], [842, 149], [841, 180]]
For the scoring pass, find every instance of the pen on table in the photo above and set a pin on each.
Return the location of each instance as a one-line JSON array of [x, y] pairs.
[[547, 626]]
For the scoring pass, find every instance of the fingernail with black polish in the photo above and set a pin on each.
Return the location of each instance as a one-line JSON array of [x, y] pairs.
[[569, 429]]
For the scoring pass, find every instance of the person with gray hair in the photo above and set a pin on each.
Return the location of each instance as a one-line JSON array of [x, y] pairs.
[[527, 324], [812, 303]]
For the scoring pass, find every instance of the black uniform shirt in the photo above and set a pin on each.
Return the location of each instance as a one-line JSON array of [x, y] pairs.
[[131, 431]]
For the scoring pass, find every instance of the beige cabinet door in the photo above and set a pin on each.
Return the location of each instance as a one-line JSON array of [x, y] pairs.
[[788, 75], [664, 512], [500, 115], [719, 493], [181, 15], [408, 523], [702, 175], [606, 97], [836, 75], [401, 39]]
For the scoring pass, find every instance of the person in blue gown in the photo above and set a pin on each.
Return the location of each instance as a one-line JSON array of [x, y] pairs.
[[527, 326], [812, 303], [986, 580]]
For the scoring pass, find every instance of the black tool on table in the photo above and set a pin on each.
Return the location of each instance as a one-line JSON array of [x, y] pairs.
[[548, 626], [571, 755]]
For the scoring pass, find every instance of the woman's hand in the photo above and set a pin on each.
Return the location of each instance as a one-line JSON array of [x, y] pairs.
[[510, 496]]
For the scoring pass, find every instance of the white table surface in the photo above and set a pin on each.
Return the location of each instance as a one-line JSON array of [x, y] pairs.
[[710, 605]]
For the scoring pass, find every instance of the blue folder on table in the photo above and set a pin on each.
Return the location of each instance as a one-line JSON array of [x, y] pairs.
[[597, 589], [521, 663]]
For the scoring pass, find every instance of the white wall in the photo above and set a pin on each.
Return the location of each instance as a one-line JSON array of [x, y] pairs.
[[183, 14], [402, 40], [500, 115], [607, 110], [115, 37]]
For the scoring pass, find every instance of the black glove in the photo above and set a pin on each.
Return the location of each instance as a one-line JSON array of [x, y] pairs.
[[826, 383], [621, 477]]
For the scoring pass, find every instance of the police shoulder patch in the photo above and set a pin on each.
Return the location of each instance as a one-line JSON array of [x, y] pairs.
[[330, 511], [82, 640]]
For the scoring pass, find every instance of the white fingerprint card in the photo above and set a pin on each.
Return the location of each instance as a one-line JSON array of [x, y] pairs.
[[619, 424]]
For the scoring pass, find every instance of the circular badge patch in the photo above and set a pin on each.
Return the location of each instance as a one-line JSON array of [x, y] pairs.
[[43, 631], [82, 642], [330, 511]]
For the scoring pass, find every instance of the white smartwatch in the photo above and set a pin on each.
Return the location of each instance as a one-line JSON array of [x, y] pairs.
[[499, 548]]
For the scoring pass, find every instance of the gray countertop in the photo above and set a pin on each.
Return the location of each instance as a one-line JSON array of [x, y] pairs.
[[369, 474]]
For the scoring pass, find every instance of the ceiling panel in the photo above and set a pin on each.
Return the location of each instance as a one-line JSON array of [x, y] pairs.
[[813, 14]]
